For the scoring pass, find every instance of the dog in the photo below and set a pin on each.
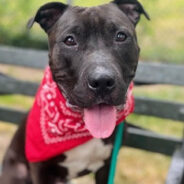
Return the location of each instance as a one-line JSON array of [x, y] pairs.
[[93, 56]]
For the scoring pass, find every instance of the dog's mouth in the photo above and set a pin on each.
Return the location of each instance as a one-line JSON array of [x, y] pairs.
[[100, 115], [100, 120]]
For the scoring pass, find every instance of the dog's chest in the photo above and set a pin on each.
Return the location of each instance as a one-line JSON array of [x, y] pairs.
[[89, 156]]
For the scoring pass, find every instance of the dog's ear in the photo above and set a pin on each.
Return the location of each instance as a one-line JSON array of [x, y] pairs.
[[47, 15], [133, 9]]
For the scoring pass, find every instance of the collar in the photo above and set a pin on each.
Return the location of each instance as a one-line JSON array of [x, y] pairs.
[[53, 127]]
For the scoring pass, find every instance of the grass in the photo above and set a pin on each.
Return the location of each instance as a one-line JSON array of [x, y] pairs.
[[164, 92], [6, 132], [167, 127], [141, 167], [21, 102]]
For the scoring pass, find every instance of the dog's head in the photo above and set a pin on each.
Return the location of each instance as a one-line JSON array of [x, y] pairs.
[[93, 52]]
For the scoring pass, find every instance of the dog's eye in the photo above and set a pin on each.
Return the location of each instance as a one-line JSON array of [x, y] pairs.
[[70, 41], [121, 37]]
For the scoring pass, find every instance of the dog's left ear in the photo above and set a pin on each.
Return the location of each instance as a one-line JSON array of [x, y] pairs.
[[133, 9]]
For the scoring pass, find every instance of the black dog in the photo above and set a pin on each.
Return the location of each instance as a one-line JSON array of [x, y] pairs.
[[93, 56]]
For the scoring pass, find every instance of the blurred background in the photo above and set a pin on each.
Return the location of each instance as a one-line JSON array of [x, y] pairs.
[[161, 40]]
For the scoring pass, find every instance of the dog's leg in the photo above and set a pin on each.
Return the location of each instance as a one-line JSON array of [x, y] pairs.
[[47, 173], [36, 175], [15, 168], [101, 176], [42, 173], [15, 174]]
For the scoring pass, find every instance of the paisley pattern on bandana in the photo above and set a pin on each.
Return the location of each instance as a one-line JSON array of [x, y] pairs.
[[53, 127]]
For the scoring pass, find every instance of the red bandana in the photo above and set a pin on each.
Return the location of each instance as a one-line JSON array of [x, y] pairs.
[[53, 127]]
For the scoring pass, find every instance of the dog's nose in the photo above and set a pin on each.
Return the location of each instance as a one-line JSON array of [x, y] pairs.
[[101, 83]]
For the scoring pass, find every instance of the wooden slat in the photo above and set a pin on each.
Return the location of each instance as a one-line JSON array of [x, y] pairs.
[[11, 85], [70, 2], [147, 72], [23, 57], [159, 73], [150, 141], [11, 115], [176, 170], [159, 108]]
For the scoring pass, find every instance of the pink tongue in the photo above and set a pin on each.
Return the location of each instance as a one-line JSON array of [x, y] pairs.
[[100, 120]]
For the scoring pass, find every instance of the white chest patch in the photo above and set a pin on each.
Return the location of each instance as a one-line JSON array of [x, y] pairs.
[[90, 155]]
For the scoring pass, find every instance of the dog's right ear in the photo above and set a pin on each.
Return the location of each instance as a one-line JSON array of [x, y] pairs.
[[47, 15]]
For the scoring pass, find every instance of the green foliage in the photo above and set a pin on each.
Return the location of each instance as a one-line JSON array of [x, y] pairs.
[[160, 39]]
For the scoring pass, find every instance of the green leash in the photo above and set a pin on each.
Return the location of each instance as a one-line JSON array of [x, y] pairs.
[[116, 148]]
